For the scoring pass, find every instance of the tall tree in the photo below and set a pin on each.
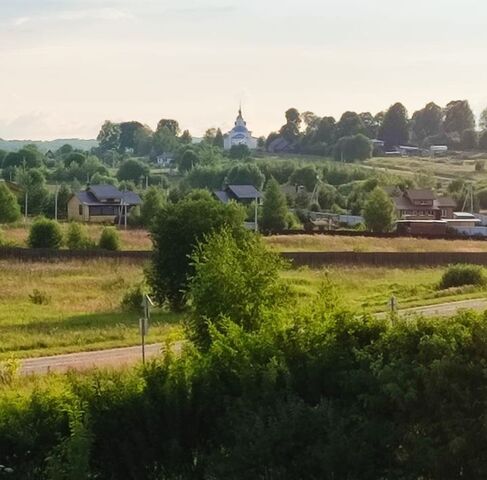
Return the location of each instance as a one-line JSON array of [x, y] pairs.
[[290, 131], [395, 129], [427, 122], [349, 124], [483, 119], [370, 125], [186, 138], [379, 211], [458, 117], [9, 207], [109, 136], [218, 140], [171, 125], [132, 170], [325, 131], [127, 135], [274, 209]]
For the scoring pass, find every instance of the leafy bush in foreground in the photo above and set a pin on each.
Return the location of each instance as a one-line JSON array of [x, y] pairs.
[[459, 275], [77, 237], [314, 394]]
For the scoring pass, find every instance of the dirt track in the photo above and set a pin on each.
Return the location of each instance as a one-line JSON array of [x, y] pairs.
[[120, 357]]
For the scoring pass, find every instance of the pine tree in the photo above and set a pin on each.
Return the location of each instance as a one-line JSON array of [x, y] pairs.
[[274, 211]]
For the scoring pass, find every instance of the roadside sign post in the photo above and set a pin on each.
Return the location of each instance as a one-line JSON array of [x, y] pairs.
[[144, 322], [393, 306]]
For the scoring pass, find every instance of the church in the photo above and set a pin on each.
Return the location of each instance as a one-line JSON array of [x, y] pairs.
[[239, 135]]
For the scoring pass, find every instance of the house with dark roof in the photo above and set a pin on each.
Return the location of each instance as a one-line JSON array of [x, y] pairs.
[[244, 194], [422, 205], [101, 204]]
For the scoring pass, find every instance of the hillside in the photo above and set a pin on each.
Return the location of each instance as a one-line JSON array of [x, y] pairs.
[[45, 145]]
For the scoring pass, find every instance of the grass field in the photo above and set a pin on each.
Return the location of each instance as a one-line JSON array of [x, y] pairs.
[[83, 310], [329, 243]]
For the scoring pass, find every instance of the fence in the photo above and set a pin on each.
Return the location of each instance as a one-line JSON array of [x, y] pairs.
[[311, 259]]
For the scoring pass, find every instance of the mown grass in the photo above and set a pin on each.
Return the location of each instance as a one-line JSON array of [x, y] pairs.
[[83, 309]]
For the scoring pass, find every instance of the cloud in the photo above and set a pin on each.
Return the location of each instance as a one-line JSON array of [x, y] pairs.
[[110, 14]]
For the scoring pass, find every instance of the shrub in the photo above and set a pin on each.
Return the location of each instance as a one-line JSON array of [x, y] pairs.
[[39, 298], [109, 239], [45, 233], [132, 299], [459, 275], [9, 207], [77, 237]]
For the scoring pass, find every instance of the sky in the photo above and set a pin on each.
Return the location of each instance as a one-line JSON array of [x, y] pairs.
[[68, 65]]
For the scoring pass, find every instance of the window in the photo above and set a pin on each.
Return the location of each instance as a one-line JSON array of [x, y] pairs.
[[99, 211], [81, 210]]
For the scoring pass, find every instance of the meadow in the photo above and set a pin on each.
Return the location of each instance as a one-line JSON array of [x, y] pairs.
[[61, 307]]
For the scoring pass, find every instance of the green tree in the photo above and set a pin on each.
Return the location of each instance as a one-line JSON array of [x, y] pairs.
[[245, 174], [394, 130], [274, 208], [483, 141], [143, 138], [469, 139], [371, 125], [175, 233], [458, 117], [379, 211], [9, 207], [45, 233], [239, 152], [77, 237], [483, 119], [236, 279], [349, 124], [109, 136], [128, 132], [33, 183], [186, 138], [325, 131], [218, 140], [349, 149], [171, 125], [132, 170], [152, 204], [306, 176], [427, 122], [188, 161]]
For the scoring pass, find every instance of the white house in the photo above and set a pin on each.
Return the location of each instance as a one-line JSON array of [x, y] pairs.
[[239, 135]]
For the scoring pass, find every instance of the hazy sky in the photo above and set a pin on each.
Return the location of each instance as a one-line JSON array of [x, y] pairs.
[[67, 65]]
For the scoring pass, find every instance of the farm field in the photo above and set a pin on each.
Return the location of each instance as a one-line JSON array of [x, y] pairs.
[[330, 243], [83, 302]]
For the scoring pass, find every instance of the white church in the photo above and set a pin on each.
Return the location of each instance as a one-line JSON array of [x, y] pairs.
[[239, 135]]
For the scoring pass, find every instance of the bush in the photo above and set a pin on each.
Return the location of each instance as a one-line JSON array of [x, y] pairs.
[[132, 299], [45, 233], [77, 237], [9, 207], [459, 275], [109, 239], [39, 298]]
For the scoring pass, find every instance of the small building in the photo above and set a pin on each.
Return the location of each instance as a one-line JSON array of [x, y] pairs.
[[165, 160], [244, 194], [101, 204], [422, 227], [422, 205], [239, 135]]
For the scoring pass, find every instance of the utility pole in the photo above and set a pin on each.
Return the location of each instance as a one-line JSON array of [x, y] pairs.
[[26, 204], [144, 322], [55, 202], [256, 212]]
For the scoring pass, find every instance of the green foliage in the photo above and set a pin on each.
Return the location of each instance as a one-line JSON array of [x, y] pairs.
[[349, 149], [394, 130], [109, 136], [77, 237], [175, 233], [188, 161], [9, 370], [483, 141], [132, 170], [469, 139], [9, 208], [132, 299], [274, 209], [234, 279], [459, 275], [45, 233], [306, 176], [152, 204], [245, 174], [427, 122], [239, 152], [458, 117], [39, 298], [350, 124], [379, 211], [110, 239]]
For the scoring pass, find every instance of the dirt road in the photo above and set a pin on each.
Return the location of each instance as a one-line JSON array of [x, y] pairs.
[[119, 357]]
